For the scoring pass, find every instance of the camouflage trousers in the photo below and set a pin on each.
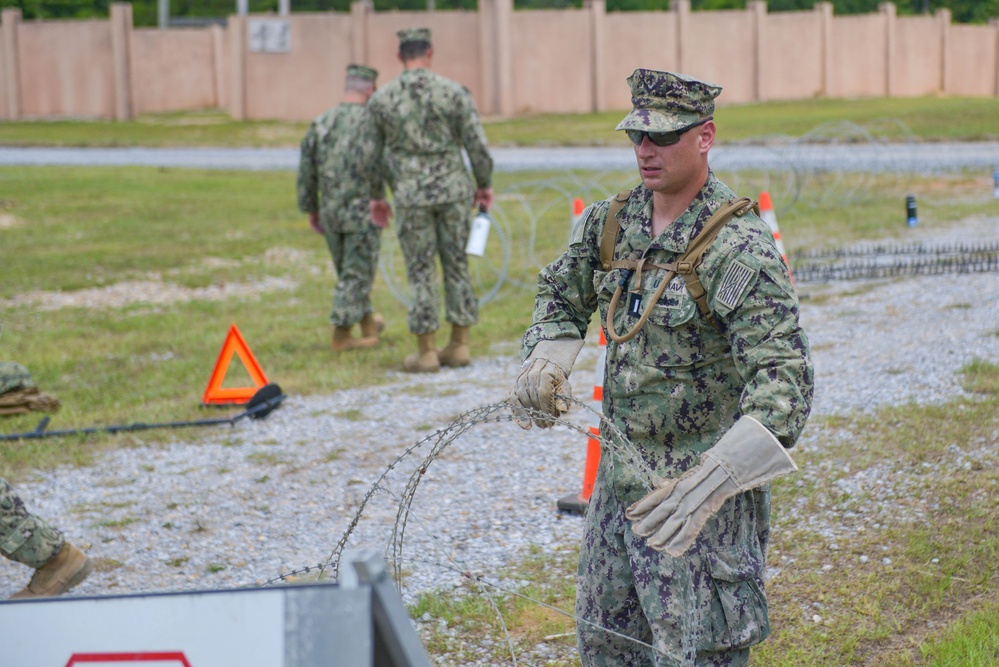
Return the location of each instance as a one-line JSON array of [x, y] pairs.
[[355, 258], [25, 537], [704, 609], [426, 232]]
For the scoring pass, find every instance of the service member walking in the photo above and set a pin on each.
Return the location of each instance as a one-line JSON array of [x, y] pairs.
[[707, 373], [420, 122], [335, 194], [29, 539]]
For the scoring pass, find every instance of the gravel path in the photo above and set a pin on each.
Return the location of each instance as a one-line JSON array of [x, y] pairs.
[[239, 506]]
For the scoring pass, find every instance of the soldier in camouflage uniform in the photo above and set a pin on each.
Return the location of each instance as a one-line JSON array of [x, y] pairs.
[[24, 537], [335, 194], [28, 539], [420, 122], [709, 403]]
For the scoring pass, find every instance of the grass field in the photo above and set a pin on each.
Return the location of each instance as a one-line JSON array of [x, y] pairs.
[[119, 285], [896, 119]]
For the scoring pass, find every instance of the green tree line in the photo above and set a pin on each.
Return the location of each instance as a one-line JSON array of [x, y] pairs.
[[145, 12]]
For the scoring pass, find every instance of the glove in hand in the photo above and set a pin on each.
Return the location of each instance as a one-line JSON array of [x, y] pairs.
[[544, 376], [673, 515]]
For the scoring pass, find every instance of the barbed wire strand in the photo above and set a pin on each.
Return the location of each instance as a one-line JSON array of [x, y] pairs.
[[611, 438]]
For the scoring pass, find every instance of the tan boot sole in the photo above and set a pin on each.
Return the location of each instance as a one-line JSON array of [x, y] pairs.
[[421, 363], [354, 344], [454, 357]]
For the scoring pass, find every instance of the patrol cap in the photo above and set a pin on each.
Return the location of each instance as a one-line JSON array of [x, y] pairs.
[[362, 72], [414, 35], [667, 101]]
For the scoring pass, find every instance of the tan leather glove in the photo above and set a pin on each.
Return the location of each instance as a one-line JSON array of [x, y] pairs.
[[672, 516], [544, 374]]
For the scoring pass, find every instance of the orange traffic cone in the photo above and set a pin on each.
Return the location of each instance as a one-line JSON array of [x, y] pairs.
[[769, 217], [577, 211], [576, 503]]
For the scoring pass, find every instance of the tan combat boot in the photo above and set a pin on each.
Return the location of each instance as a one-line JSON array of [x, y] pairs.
[[66, 569], [343, 339], [371, 325], [456, 353], [425, 360]]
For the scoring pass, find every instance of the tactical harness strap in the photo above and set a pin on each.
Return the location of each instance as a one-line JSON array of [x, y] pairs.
[[686, 265]]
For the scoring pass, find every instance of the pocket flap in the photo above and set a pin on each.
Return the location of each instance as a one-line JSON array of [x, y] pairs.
[[734, 564]]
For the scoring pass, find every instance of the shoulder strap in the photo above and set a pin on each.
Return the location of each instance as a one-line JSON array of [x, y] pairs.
[[692, 259], [611, 227]]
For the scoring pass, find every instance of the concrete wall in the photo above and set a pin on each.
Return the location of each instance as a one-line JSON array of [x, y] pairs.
[[654, 46], [173, 70], [532, 61], [918, 54], [857, 68], [967, 65], [301, 83], [76, 77], [797, 77], [552, 59]]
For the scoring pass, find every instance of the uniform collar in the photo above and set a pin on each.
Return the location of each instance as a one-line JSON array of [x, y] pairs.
[[676, 237]]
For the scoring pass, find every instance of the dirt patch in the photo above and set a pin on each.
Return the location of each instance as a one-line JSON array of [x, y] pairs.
[[153, 292], [7, 221]]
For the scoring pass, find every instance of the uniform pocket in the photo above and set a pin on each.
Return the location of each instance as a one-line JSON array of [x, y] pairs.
[[738, 616]]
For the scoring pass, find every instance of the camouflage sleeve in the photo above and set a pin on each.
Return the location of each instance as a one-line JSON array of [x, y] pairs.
[[308, 173], [752, 295], [566, 297], [378, 179], [371, 153], [473, 138]]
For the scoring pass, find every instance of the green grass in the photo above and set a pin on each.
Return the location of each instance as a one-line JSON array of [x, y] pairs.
[[894, 119], [184, 235], [191, 128]]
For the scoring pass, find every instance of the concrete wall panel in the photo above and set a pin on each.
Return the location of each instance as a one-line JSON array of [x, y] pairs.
[[719, 47], [301, 83], [172, 69], [552, 61], [971, 60], [75, 80], [917, 56], [223, 66], [792, 56], [527, 61], [859, 56], [634, 40], [455, 36], [3, 82]]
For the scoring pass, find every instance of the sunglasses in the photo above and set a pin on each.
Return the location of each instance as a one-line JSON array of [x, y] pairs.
[[662, 138]]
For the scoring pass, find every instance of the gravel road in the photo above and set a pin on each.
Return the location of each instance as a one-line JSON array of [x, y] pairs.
[[238, 506]]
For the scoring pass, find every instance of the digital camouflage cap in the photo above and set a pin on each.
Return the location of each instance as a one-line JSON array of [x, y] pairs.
[[414, 35], [666, 101], [362, 72]]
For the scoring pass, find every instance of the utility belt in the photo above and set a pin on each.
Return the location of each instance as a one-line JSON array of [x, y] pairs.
[[685, 266]]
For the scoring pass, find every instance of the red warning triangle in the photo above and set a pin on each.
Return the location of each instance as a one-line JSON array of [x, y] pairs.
[[215, 393]]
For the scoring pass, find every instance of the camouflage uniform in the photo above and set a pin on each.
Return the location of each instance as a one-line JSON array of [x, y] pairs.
[[420, 121], [18, 393], [330, 181], [674, 390], [25, 537]]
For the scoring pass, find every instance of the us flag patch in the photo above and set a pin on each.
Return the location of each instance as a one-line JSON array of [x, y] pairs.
[[737, 277]]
